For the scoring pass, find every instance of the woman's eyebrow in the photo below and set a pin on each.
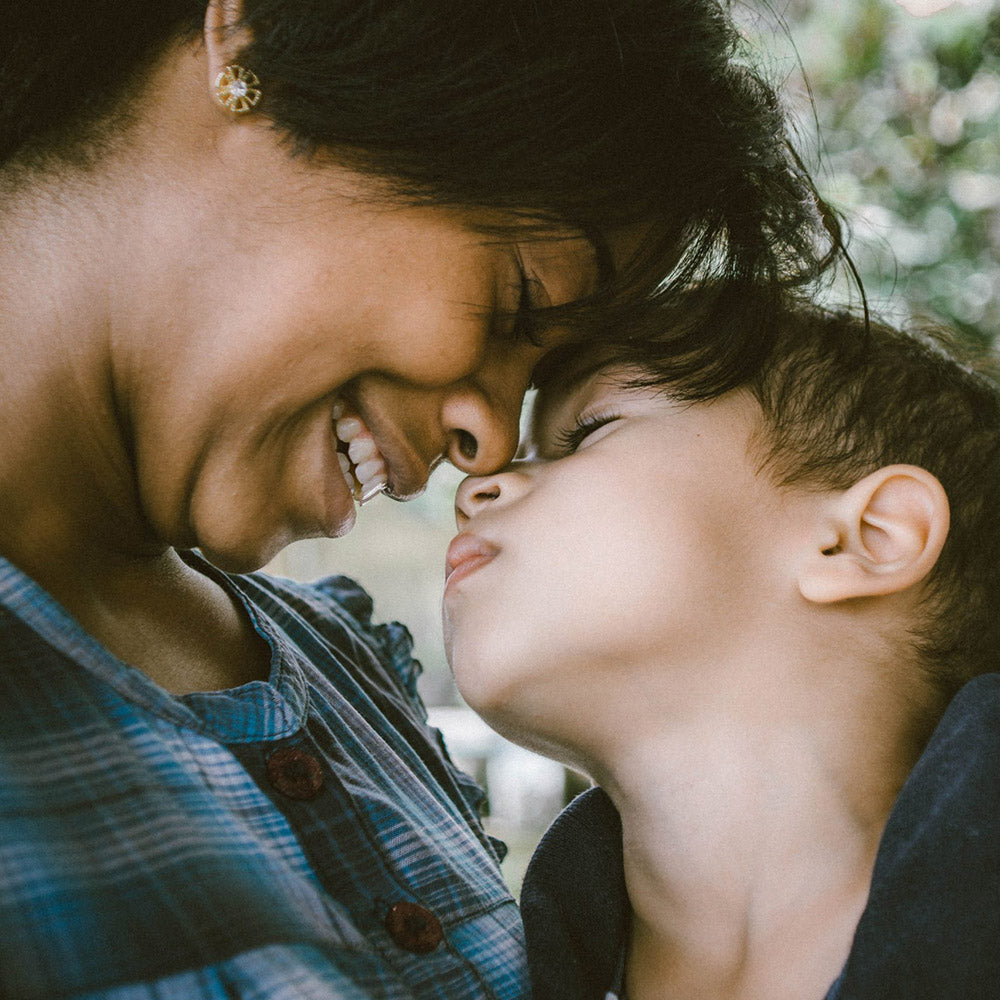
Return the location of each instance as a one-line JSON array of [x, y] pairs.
[[604, 260]]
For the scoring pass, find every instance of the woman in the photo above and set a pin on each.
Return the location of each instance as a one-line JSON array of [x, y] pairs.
[[258, 260]]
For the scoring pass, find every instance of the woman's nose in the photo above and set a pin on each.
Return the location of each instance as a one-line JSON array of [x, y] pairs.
[[482, 433], [481, 416]]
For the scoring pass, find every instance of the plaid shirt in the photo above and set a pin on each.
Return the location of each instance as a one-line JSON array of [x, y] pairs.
[[304, 838]]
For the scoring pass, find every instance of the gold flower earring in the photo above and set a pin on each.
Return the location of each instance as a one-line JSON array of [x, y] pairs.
[[237, 89]]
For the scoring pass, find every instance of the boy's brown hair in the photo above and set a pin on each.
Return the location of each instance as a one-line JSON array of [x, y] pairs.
[[842, 397]]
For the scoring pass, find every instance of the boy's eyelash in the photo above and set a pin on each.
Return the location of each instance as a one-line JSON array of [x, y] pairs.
[[569, 440]]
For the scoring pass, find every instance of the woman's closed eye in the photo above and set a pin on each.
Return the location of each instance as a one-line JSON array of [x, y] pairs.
[[522, 326], [525, 325]]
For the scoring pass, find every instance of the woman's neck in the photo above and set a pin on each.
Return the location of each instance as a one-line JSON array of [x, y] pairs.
[[69, 512], [63, 468]]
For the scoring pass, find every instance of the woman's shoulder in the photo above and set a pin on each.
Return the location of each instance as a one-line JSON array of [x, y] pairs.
[[341, 611]]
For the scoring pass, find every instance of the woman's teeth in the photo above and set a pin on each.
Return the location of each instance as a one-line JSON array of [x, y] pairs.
[[363, 466]]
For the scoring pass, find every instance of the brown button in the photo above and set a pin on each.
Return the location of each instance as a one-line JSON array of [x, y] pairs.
[[413, 927], [295, 773]]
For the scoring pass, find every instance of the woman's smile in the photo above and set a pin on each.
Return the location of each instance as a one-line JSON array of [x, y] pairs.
[[360, 460]]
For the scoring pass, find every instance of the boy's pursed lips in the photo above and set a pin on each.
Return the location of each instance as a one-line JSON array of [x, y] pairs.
[[466, 554]]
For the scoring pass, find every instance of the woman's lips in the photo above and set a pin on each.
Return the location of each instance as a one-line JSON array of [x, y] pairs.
[[360, 460], [392, 454], [466, 554]]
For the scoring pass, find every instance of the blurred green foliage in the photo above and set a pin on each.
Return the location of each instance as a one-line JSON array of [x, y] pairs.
[[899, 119]]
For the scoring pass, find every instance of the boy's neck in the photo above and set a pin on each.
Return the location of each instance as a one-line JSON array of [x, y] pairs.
[[750, 837]]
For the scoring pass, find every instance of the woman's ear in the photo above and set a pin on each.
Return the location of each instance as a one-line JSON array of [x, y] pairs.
[[222, 41], [879, 537]]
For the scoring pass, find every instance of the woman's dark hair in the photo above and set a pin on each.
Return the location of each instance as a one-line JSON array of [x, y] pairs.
[[597, 114]]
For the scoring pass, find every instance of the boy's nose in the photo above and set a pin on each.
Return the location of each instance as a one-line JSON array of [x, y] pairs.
[[478, 493], [474, 494]]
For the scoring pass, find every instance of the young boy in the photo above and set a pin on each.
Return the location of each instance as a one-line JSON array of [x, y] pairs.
[[764, 624]]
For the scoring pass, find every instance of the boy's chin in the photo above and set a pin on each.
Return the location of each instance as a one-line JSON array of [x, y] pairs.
[[492, 702], [507, 713], [480, 676], [507, 694]]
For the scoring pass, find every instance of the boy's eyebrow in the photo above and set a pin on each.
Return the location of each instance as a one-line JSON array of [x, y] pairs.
[[525, 447], [549, 395]]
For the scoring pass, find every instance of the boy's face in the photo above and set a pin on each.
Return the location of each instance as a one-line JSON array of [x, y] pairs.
[[638, 530]]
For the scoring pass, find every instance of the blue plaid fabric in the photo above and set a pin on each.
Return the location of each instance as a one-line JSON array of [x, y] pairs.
[[146, 852]]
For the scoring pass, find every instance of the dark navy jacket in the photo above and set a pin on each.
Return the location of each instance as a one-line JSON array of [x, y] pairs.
[[930, 931]]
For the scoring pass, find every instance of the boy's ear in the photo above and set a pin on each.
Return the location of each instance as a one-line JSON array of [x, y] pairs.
[[879, 537]]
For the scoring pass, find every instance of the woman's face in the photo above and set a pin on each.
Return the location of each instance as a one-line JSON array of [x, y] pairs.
[[298, 294]]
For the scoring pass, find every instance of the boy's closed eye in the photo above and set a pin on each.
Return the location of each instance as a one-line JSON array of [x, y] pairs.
[[568, 440], [579, 412]]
